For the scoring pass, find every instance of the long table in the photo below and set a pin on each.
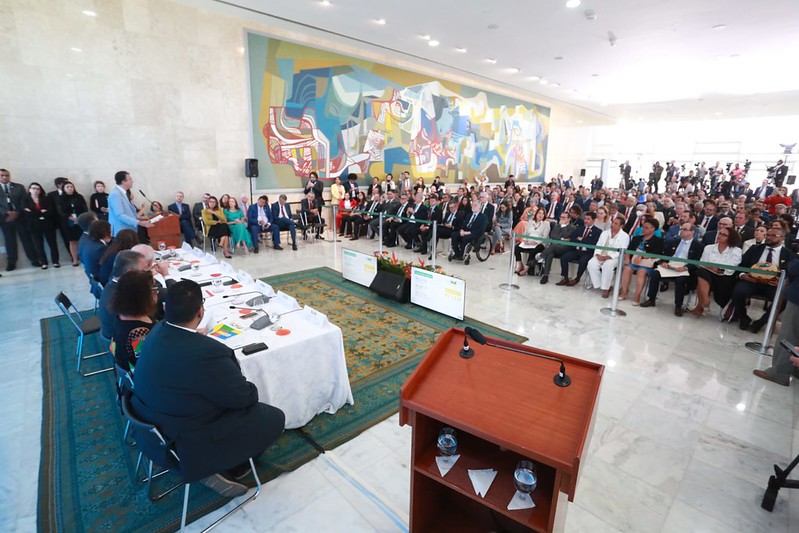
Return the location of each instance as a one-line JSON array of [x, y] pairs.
[[304, 370]]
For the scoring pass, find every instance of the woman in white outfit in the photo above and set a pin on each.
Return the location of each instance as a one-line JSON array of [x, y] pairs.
[[601, 266], [532, 226]]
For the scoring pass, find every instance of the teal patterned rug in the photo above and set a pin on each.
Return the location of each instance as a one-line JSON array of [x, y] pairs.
[[86, 477]]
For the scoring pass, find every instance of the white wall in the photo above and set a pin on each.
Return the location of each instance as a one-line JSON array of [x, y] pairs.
[[159, 88]]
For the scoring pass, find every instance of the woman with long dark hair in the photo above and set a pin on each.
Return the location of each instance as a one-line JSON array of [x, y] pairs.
[[70, 205], [135, 302], [39, 219], [125, 240]]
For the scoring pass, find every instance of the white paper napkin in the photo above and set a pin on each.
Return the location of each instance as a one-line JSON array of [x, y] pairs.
[[244, 278], [445, 464], [185, 247], [197, 252], [482, 479], [520, 500], [210, 259], [265, 288]]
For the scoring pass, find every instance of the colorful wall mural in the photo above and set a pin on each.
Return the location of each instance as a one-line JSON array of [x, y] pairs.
[[317, 110]]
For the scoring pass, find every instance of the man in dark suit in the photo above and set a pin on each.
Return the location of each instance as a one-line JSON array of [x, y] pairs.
[[450, 222], [487, 208], [197, 210], [191, 388], [474, 226], [311, 214], [590, 235], [315, 186], [564, 230], [771, 251], [391, 223], [184, 216], [780, 171], [351, 186], [708, 221], [742, 226], [409, 229], [12, 196], [764, 191], [710, 237], [259, 220], [55, 199], [359, 219], [688, 247], [125, 261], [626, 170], [423, 232], [281, 217], [388, 204], [92, 248]]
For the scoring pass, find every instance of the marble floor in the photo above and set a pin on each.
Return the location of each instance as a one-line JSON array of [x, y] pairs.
[[685, 436]]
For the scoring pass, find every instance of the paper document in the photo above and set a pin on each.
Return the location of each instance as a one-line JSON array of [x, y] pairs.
[[156, 218], [669, 272]]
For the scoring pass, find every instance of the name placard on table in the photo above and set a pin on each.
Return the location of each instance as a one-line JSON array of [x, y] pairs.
[[444, 294]]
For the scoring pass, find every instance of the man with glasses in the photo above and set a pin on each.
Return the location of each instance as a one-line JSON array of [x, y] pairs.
[[711, 237], [683, 275], [197, 210], [773, 252]]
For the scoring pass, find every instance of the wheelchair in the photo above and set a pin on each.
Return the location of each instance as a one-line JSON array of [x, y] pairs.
[[481, 247]]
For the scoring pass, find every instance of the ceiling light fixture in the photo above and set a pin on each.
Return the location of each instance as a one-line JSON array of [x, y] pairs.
[[589, 14], [556, 84], [543, 81], [579, 122], [90, 13], [492, 27], [571, 4], [719, 26], [719, 113], [491, 60], [433, 43], [75, 49], [594, 75], [603, 104], [533, 78], [425, 37], [461, 50], [324, 2], [382, 22], [514, 70]]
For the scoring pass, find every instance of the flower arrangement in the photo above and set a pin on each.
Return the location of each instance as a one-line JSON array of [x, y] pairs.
[[390, 263]]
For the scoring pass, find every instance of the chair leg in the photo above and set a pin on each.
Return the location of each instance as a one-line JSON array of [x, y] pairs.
[[239, 506], [80, 351], [185, 508]]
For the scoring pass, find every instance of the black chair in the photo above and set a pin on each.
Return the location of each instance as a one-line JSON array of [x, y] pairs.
[[83, 327], [158, 450]]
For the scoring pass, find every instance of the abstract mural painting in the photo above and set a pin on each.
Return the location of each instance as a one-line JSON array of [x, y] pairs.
[[318, 110]]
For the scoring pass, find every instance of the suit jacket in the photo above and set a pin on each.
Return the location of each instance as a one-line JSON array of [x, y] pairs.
[[489, 213], [252, 215], [769, 191], [89, 255], [746, 233], [419, 213], [477, 227], [694, 252], [752, 256], [554, 214], [185, 214], [276, 210], [317, 188], [121, 213], [435, 214], [191, 387], [712, 225], [592, 238], [197, 212], [567, 233], [654, 245], [17, 194]]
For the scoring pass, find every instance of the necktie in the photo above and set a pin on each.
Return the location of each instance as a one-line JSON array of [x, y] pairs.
[[8, 196], [679, 251], [451, 216], [469, 225], [180, 208], [585, 233], [283, 211], [635, 225], [770, 256], [705, 221]]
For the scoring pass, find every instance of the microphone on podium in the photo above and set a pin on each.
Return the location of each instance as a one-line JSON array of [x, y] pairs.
[[560, 379]]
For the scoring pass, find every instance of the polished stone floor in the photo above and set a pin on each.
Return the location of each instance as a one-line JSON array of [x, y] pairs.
[[685, 436]]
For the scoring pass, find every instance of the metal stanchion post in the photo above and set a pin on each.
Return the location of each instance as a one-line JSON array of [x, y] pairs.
[[380, 235], [509, 286], [762, 348], [433, 241], [335, 232], [613, 311]]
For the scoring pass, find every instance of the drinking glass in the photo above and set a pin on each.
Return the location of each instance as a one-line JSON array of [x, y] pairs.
[[447, 442], [217, 283], [525, 477], [162, 246], [195, 269]]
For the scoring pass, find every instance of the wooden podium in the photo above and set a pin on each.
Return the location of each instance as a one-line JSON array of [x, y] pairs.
[[504, 407], [168, 230]]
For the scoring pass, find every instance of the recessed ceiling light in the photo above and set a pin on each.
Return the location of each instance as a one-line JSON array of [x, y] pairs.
[[571, 4], [491, 60], [579, 122], [603, 104], [74, 49], [382, 22], [90, 13], [543, 81], [425, 37], [594, 75], [556, 84], [69, 75], [719, 26], [514, 70], [461, 50], [492, 26], [640, 118], [433, 43], [533, 78], [573, 91], [324, 2], [719, 113]]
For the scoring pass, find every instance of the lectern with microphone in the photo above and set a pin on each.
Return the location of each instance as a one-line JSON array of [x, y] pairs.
[[507, 402]]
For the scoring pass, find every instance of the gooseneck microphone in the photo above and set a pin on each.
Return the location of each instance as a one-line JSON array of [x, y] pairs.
[[260, 323], [261, 299], [560, 379], [466, 352]]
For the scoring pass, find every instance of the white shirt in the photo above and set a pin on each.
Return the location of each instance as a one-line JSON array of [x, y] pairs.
[[262, 220], [620, 240], [730, 256], [775, 256]]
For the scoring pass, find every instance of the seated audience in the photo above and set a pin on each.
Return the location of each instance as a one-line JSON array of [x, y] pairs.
[[357, 220], [259, 220], [134, 302], [719, 281], [281, 215], [603, 263], [784, 365], [686, 248], [92, 251], [124, 240], [424, 232], [759, 237], [185, 218], [640, 266], [409, 229], [126, 261], [310, 214], [474, 226], [564, 231], [503, 226], [531, 226], [191, 387], [589, 236], [237, 222], [216, 225]]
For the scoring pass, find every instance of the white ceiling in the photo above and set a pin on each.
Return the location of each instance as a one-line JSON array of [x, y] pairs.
[[668, 61]]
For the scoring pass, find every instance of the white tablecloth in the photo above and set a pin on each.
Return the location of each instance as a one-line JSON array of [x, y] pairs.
[[303, 373]]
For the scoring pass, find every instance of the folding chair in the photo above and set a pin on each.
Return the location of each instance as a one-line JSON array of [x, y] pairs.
[[124, 384], [158, 449], [85, 327]]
